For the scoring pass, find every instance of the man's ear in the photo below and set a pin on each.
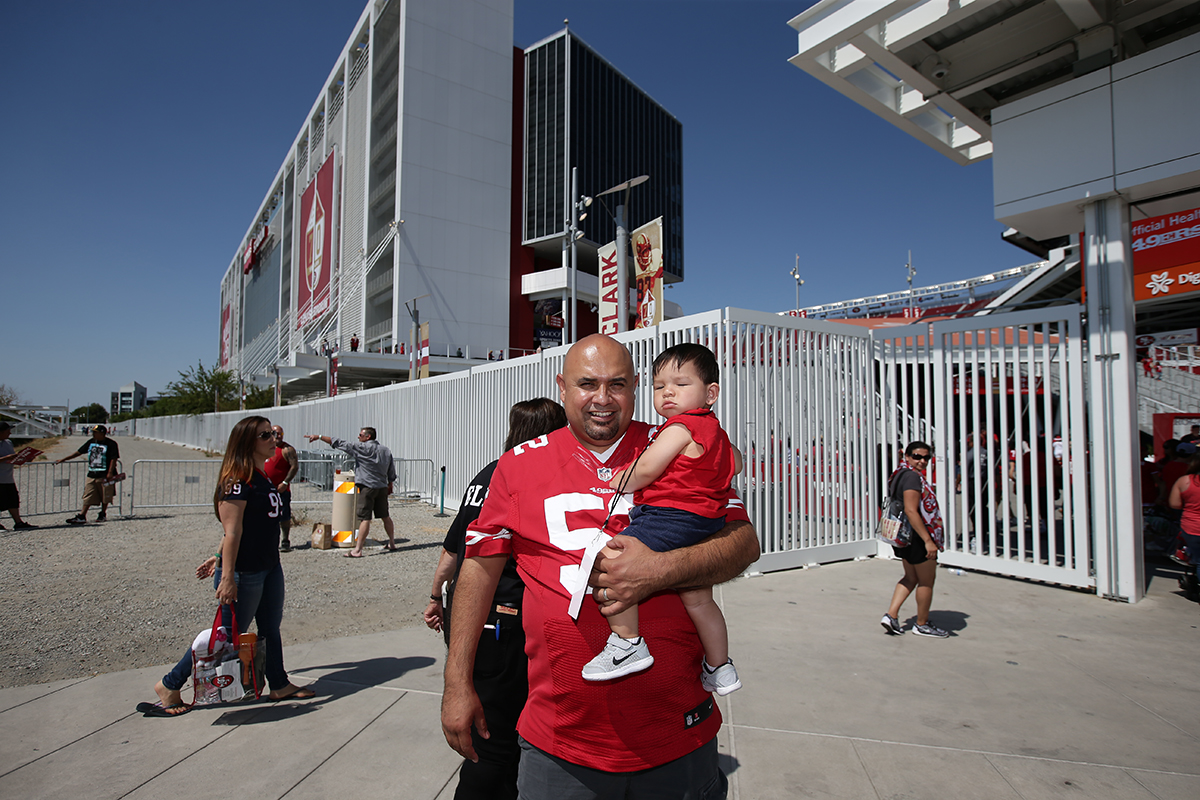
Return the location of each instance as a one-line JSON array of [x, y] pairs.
[[562, 387]]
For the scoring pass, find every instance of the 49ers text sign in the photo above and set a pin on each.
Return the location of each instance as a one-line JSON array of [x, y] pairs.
[[318, 221], [1166, 255]]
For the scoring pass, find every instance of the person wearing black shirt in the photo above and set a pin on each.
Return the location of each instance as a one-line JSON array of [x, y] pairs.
[[501, 669], [249, 508], [102, 453]]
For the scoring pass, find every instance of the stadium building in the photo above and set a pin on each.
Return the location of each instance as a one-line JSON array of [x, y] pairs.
[[427, 189]]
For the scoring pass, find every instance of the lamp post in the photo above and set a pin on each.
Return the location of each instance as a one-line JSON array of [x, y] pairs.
[[578, 214], [622, 247], [911, 272], [415, 314], [795, 273]]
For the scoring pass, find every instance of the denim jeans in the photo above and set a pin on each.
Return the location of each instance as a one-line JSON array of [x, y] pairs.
[[260, 598]]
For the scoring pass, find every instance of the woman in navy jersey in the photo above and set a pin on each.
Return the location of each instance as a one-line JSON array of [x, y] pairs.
[[249, 508]]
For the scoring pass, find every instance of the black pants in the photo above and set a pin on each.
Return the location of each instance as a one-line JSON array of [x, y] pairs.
[[502, 683]]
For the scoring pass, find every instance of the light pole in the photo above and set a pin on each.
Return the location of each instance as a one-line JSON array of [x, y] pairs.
[[622, 247], [795, 273], [578, 214], [911, 272], [413, 362]]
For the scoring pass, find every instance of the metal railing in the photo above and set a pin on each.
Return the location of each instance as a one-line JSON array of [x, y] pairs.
[[156, 483], [50, 488]]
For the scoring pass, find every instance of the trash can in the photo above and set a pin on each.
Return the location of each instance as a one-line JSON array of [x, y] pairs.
[[344, 527]]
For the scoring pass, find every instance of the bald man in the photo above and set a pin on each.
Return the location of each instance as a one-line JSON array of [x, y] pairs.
[[651, 733]]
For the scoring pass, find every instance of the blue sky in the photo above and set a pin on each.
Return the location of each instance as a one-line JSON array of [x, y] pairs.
[[142, 136]]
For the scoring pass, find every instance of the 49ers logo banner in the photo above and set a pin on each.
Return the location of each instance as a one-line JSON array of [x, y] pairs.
[[226, 336], [647, 256], [318, 222]]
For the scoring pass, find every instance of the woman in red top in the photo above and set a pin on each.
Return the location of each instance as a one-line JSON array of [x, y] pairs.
[[1185, 495]]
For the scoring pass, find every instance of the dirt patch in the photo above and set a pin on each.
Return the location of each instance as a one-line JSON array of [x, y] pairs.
[[122, 594]]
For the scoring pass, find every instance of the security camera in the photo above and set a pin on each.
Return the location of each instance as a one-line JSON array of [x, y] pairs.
[[933, 66]]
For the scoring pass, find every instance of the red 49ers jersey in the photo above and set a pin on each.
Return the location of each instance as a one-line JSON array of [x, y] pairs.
[[698, 485], [547, 500]]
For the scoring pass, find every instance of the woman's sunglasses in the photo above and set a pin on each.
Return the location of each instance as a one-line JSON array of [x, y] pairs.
[[265, 435]]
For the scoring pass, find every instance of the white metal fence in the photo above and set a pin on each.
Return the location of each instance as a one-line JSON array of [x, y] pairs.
[[1001, 400], [820, 410]]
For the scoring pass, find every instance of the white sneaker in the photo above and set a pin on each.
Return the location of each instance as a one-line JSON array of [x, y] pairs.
[[722, 680], [618, 658]]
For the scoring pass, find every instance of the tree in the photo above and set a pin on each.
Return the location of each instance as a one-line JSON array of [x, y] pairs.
[[201, 390], [258, 397], [9, 396], [91, 414]]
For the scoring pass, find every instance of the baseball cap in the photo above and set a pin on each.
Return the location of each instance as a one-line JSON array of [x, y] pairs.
[[100, 428], [1185, 449], [4, 426]]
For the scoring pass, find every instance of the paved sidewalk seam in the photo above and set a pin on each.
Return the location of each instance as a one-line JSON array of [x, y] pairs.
[[47, 694], [68, 744], [341, 747], [735, 784], [336, 682], [1126, 697], [159, 774], [866, 772], [844, 737], [1000, 772]]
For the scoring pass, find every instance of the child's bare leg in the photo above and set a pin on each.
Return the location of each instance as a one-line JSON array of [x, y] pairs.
[[710, 624], [624, 624]]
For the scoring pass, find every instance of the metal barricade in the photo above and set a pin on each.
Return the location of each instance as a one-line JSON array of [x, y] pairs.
[[172, 484], [415, 480], [50, 488], [189, 484]]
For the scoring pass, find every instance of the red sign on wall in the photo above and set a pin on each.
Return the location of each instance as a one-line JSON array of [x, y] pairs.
[[1166, 255], [226, 336], [317, 224]]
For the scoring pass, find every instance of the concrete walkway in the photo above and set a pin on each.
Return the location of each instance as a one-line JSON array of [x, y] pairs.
[[1041, 692]]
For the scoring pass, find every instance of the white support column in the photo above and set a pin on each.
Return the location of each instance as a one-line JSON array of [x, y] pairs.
[[1112, 400]]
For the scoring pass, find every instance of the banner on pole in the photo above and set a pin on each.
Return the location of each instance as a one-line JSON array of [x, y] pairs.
[[424, 352], [226, 336], [318, 206], [647, 258], [607, 314]]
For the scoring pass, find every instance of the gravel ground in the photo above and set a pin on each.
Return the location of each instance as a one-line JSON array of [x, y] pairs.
[[104, 597]]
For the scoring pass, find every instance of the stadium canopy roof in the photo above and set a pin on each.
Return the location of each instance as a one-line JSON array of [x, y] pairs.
[[937, 68]]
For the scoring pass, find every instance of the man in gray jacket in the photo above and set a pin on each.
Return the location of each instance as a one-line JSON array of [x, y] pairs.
[[374, 474]]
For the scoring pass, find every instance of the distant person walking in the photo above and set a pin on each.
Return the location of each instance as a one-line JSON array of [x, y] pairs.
[[920, 556], [374, 474], [281, 468], [102, 455], [246, 570], [10, 499]]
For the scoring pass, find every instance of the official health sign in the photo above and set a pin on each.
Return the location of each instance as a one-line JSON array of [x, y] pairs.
[[1166, 255]]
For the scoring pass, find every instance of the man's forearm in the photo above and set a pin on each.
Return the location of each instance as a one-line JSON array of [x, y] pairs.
[[719, 558], [443, 572], [473, 593]]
